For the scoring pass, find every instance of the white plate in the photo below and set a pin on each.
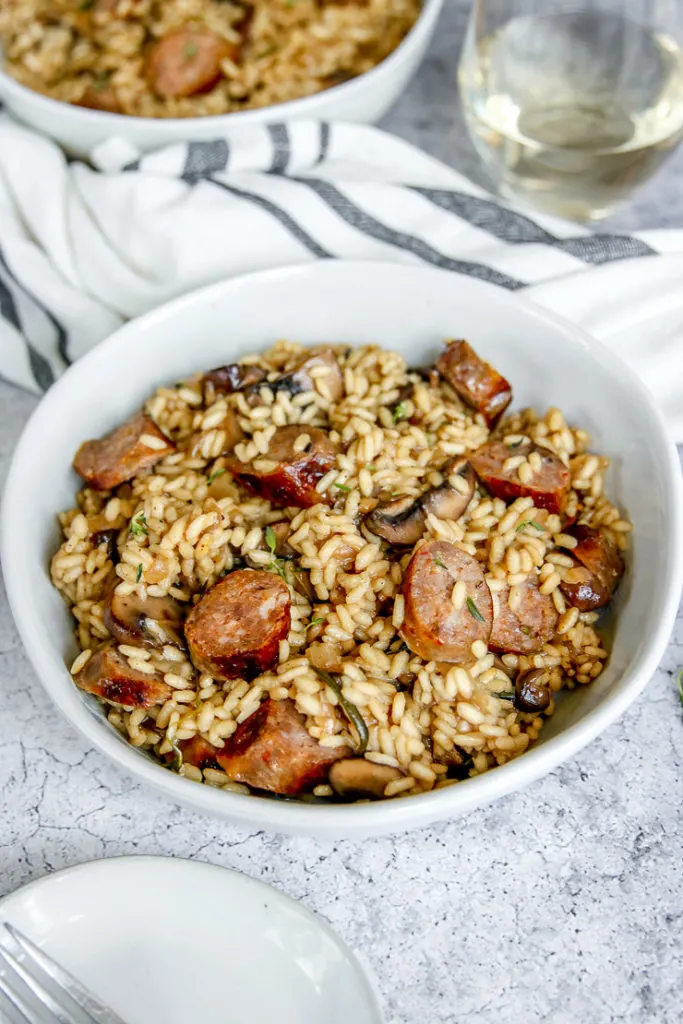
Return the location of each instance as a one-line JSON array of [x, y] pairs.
[[410, 309], [181, 942]]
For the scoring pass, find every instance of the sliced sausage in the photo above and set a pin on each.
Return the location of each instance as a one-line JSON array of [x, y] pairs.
[[354, 778], [273, 750], [598, 570], [548, 486], [527, 629], [199, 752], [476, 382], [152, 622], [433, 627], [101, 95], [532, 691], [293, 475], [402, 520], [236, 627], [295, 381], [108, 675], [225, 380], [118, 456], [187, 61]]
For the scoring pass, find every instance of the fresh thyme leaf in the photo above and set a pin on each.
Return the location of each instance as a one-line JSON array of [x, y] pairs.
[[85, 5], [216, 473], [515, 444], [138, 574], [474, 611], [530, 522], [266, 52], [350, 710], [314, 622], [437, 561], [371, 469], [679, 683], [505, 695], [138, 525], [190, 51], [343, 487], [400, 412], [271, 539], [525, 630], [177, 763]]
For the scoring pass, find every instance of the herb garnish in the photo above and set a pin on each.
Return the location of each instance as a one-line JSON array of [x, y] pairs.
[[190, 51], [216, 473], [85, 5], [515, 444], [474, 611], [530, 522], [138, 525], [275, 564], [526, 630], [343, 487], [505, 695], [138, 574], [267, 52], [177, 763], [679, 683], [437, 561], [314, 622], [400, 412], [350, 710]]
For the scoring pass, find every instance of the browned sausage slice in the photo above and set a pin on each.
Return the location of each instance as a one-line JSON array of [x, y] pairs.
[[548, 486], [152, 622], [293, 475], [199, 752], [477, 383], [236, 628], [527, 629], [433, 627], [108, 675], [598, 570], [111, 460], [187, 61], [101, 95], [225, 380], [272, 750]]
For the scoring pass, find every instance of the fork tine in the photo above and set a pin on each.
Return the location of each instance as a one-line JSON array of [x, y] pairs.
[[17, 1002], [81, 996], [43, 997]]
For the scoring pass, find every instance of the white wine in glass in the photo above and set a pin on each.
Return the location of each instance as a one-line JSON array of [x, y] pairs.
[[573, 105]]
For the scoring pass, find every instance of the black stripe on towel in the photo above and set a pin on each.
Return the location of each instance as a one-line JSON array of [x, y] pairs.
[[515, 228], [204, 159], [280, 215], [368, 225], [324, 142], [41, 369], [281, 148], [60, 331]]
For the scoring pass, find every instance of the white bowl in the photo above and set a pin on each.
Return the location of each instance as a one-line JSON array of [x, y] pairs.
[[547, 360], [364, 99]]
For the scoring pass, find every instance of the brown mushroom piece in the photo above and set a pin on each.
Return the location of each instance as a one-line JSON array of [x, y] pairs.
[[532, 691], [150, 621], [597, 572], [402, 520], [299, 379], [354, 778], [225, 380]]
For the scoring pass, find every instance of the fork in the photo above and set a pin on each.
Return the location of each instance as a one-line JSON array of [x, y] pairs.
[[30, 980]]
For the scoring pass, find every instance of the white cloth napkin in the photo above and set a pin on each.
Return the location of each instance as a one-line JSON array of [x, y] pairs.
[[82, 249]]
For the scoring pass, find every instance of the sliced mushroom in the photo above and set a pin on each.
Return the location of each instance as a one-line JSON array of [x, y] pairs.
[[282, 530], [402, 520], [532, 691], [299, 379], [152, 622], [225, 380], [354, 778]]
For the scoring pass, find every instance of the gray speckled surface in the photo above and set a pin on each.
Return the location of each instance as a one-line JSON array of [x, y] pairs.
[[562, 904]]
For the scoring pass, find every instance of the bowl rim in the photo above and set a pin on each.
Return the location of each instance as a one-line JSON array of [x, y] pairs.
[[281, 111], [346, 819]]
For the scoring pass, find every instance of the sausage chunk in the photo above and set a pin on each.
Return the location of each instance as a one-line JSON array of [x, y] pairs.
[[548, 486], [108, 675], [290, 475], [273, 750], [236, 628], [187, 61], [527, 629], [118, 456], [598, 570], [401, 521], [199, 752], [433, 627], [477, 383], [152, 622], [101, 95], [225, 380]]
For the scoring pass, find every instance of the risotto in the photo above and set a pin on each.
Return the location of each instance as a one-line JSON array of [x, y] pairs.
[[319, 573], [191, 58]]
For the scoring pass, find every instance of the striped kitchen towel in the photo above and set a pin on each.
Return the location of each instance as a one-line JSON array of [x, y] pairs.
[[83, 248]]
